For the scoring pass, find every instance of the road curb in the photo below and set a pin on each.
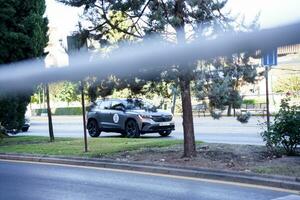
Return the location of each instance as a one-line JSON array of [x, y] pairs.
[[291, 183]]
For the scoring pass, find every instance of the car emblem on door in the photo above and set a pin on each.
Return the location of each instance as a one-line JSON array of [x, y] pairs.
[[116, 118]]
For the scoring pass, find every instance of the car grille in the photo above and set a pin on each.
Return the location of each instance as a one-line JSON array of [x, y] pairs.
[[163, 128], [164, 118]]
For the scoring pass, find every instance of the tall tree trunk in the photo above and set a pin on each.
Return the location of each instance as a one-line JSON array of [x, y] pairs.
[[50, 125], [229, 110], [184, 82], [188, 124]]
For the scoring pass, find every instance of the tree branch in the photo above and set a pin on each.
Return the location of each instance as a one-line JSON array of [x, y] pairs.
[[166, 10], [95, 28], [104, 15], [141, 14]]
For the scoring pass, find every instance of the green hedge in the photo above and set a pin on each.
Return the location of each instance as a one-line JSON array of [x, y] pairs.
[[249, 101], [60, 111], [38, 112], [68, 111]]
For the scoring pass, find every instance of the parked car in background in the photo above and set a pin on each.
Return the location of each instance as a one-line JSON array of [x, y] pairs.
[[130, 117]]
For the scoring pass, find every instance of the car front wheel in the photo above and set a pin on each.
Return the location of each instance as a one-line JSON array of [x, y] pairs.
[[132, 129], [93, 128], [164, 133]]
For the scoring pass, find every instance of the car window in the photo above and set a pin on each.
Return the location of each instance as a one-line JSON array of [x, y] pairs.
[[118, 105], [105, 105], [138, 104], [98, 102], [115, 103]]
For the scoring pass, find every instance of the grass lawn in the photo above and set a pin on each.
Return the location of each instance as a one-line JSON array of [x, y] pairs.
[[75, 146]]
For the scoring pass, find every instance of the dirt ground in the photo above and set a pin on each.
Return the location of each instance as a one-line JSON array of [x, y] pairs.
[[247, 158]]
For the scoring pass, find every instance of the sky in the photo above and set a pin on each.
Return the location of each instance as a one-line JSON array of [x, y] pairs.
[[272, 13], [61, 17]]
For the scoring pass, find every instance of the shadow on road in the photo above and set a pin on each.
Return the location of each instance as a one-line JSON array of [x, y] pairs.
[[141, 137]]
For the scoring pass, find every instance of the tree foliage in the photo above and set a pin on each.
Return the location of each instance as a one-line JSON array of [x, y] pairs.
[[221, 79], [23, 29], [23, 35], [289, 84], [65, 91]]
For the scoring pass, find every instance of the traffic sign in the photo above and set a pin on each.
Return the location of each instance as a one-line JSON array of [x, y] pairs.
[[269, 58]]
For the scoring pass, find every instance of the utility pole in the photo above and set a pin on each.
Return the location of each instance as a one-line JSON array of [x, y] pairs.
[[269, 58], [267, 96]]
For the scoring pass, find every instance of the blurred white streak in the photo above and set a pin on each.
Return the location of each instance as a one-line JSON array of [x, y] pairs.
[[17, 77]]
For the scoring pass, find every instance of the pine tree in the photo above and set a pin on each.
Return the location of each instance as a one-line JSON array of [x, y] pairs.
[[168, 19], [221, 79], [23, 35]]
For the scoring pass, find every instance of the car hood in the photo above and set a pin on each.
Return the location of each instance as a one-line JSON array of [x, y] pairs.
[[158, 112]]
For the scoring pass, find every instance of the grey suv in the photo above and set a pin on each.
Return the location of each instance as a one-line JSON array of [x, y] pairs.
[[130, 117]]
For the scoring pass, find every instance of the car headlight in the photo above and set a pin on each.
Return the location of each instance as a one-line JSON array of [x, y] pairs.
[[145, 116]]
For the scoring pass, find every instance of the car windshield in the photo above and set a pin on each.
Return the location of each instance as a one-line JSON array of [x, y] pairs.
[[138, 104]]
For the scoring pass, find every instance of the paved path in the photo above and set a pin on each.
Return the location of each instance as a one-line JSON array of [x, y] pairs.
[[28, 181], [225, 130]]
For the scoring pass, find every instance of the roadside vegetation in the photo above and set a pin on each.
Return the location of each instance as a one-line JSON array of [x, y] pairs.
[[229, 157], [74, 146], [285, 131], [23, 36], [243, 158], [133, 22]]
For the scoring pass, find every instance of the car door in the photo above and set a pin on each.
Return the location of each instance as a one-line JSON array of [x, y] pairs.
[[105, 114], [117, 115]]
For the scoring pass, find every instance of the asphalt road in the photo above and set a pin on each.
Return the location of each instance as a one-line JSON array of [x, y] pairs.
[[225, 130], [28, 181]]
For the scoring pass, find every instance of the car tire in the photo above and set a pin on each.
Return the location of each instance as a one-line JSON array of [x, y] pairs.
[[25, 129], [123, 134], [93, 128], [132, 129], [164, 133]]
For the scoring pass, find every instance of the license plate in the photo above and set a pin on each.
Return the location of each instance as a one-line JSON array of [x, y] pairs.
[[164, 124]]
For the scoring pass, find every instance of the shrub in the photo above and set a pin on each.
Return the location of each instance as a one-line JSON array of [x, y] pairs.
[[215, 114], [285, 131], [244, 118], [2, 132], [12, 110]]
